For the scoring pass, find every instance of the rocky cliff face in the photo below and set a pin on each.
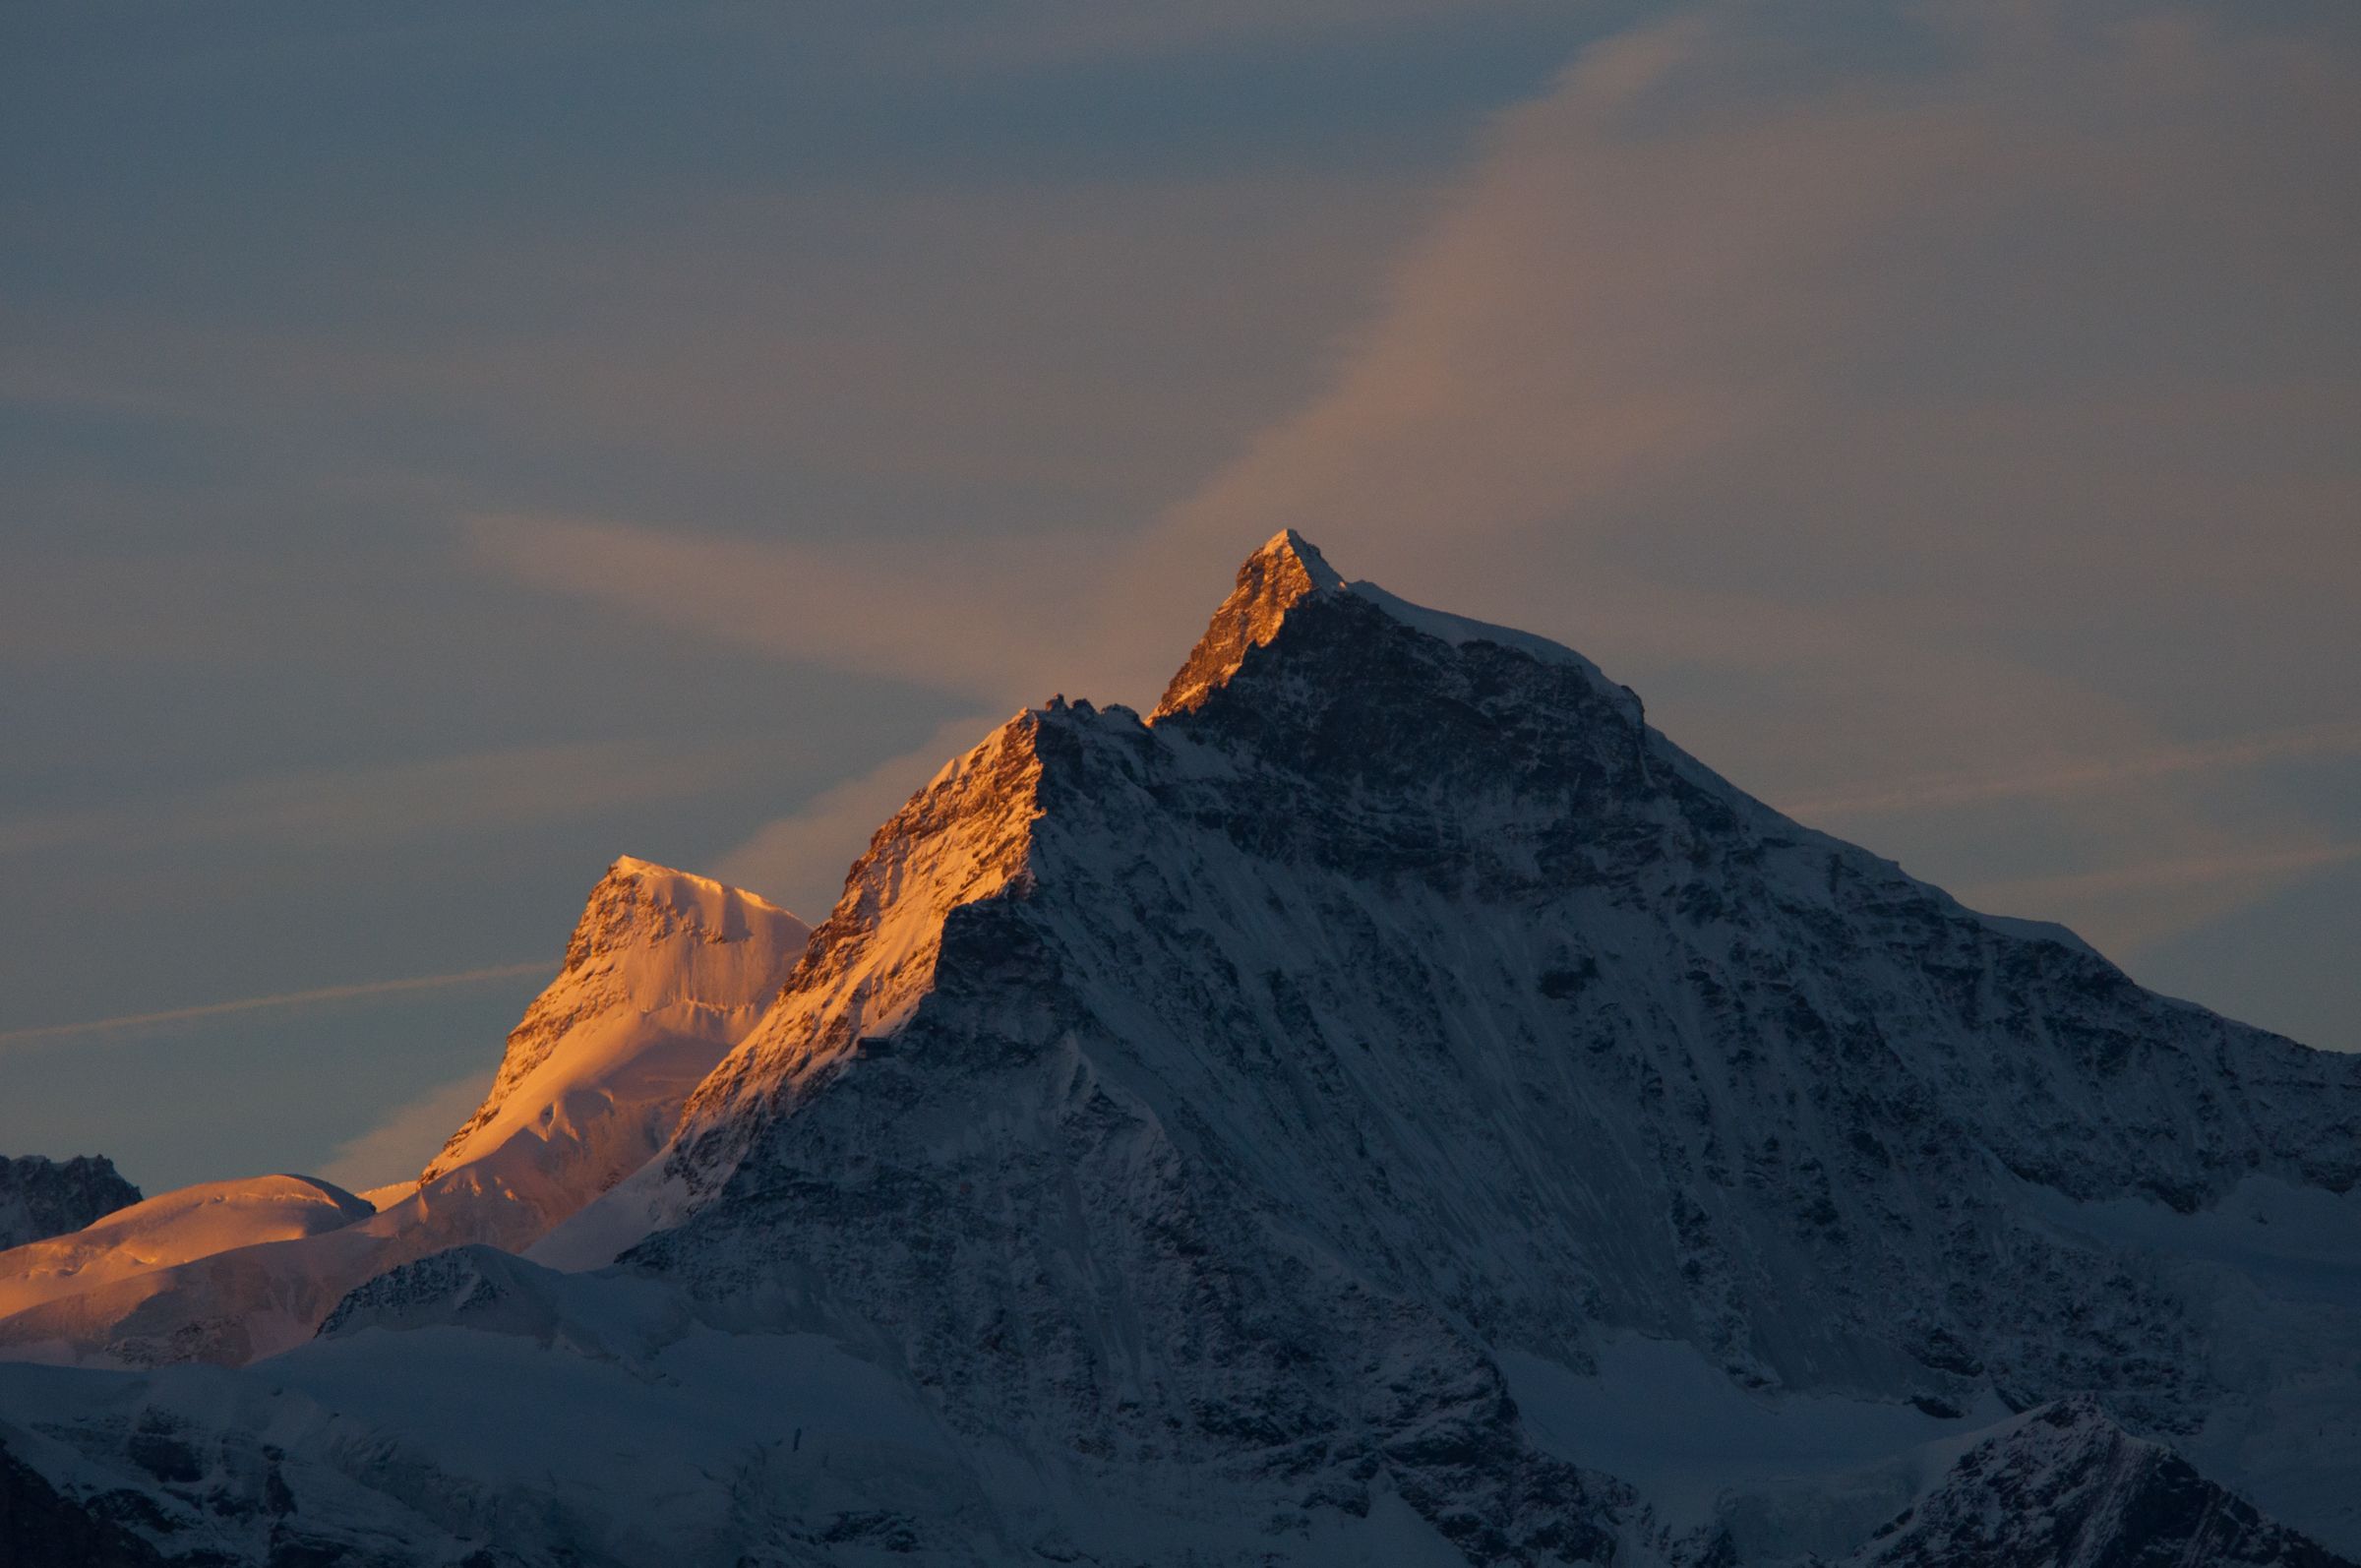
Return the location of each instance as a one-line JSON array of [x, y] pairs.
[[41, 1197]]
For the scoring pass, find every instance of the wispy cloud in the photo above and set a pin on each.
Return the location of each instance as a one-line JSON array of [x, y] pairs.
[[1796, 374], [2197, 870], [408, 799], [1942, 793], [800, 860], [397, 1148], [360, 991], [985, 621], [2146, 901]]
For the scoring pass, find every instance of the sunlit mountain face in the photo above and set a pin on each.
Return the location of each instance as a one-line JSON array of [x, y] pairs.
[[1388, 1104]]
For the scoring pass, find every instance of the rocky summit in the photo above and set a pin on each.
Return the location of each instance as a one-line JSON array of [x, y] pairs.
[[40, 1197], [1387, 1104]]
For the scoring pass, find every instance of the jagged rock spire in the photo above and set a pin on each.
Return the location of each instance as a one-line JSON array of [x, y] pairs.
[[1275, 579]]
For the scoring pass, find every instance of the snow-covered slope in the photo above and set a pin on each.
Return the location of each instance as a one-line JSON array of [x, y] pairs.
[[173, 1228], [665, 971], [1296, 1127], [41, 1197], [179, 1276]]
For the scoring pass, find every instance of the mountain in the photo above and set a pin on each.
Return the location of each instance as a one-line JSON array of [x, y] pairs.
[[176, 1277], [41, 1197], [1388, 1104], [2065, 1485], [173, 1228], [1393, 997], [665, 971]]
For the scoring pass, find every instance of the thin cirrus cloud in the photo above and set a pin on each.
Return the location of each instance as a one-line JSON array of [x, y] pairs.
[[924, 612], [399, 1146], [1862, 411], [393, 802], [1006, 621], [1995, 332], [2308, 740], [2257, 866], [801, 859], [314, 996]]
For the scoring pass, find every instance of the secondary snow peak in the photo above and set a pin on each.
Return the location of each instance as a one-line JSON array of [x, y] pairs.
[[638, 902], [666, 972], [657, 950]]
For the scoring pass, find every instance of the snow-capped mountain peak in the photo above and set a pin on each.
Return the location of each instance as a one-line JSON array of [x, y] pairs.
[[655, 949], [1273, 581], [665, 971]]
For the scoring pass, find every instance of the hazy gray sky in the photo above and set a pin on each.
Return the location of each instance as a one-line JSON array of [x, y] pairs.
[[447, 447]]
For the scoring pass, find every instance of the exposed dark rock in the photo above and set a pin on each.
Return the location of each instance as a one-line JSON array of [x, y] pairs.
[[2067, 1487], [40, 1529], [40, 1197]]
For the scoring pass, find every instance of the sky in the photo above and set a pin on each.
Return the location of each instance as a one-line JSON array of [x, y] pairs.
[[443, 447]]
